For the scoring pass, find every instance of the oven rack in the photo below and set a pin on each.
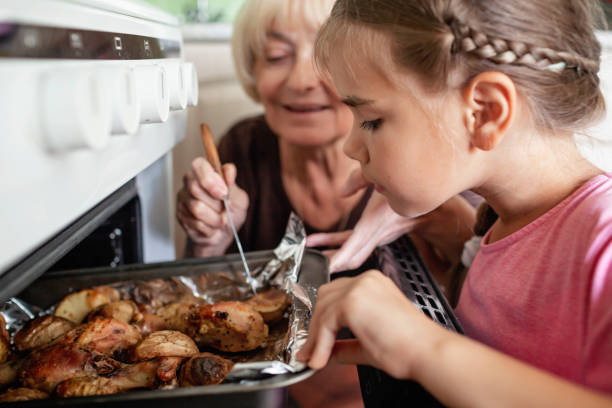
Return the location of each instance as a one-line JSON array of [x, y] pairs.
[[401, 262]]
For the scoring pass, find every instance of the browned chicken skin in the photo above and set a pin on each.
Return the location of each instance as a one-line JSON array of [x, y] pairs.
[[8, 371], [148, 323], [145, 374], [47, 367], [176, 315], [140, 375], [204, 369], [22, 394], [227, 326], [106, 336], [41, 331], [160, 355], [166, 372]]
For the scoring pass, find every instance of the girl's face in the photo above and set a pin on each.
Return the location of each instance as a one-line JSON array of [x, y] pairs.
[[412, 145], [299, 106]]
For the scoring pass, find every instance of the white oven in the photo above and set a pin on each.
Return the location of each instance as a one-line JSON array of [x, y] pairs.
[[93, 97]]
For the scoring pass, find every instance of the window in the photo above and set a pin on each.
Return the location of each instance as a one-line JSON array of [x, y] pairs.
[[607, 6], [201, 11]]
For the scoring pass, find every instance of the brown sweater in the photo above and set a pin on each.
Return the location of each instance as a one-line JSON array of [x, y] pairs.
[[253, 148]]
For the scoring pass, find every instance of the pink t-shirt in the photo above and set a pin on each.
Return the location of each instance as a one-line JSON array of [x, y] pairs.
[[544, 293]]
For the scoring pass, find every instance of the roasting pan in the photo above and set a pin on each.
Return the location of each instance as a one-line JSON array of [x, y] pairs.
[[270, 392]]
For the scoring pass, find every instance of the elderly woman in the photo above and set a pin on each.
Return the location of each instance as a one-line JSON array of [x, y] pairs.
[[290, 159]]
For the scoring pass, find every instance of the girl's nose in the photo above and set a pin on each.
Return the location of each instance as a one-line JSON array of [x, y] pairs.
[[303, 77], [355, 148]]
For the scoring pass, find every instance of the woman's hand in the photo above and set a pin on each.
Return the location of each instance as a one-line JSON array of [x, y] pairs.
[[390, 332], [201, 212], [378, 225], [438, 235]]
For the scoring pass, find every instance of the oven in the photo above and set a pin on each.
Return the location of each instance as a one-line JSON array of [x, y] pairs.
[[94, 96]]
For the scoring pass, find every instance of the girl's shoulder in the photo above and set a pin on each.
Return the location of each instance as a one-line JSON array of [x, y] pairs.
[[592, 203], [588, 220]]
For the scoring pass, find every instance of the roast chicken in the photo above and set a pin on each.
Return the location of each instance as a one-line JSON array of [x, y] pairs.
[[22, 394], [45, 368], [225, 326], [148, 322], [84, 350], [162, 353], [9, 370], [101, 342], [41, 331], [107, 336], [145, 374], [204, 369]]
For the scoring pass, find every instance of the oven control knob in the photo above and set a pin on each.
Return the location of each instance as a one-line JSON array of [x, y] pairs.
[[75, 110], [152, 88], [176, 85], [124, 99], [191, 83]]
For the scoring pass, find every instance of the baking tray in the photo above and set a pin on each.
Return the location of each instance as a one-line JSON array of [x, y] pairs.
[[401, 262], [270, 392]]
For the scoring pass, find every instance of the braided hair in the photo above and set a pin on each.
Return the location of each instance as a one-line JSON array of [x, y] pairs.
[[502, 51], [547, 47]]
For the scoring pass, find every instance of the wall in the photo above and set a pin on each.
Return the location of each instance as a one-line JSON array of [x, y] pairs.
[[596, 145]]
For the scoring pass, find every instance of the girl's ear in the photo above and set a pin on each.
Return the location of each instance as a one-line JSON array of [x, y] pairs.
[[490, 103]]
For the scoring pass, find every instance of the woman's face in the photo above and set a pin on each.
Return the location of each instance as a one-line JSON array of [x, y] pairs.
[[299, 106]]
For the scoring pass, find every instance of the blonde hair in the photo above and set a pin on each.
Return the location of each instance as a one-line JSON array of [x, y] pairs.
[[253, 23], [547, 47]]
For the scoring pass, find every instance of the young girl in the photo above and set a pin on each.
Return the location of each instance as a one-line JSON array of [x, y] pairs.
[[451, 95]]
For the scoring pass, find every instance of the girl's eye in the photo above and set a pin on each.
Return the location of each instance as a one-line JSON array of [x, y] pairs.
[[371, 125]]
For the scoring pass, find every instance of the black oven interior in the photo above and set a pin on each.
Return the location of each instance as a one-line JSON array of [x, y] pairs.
[[117, 241], [110, 234]]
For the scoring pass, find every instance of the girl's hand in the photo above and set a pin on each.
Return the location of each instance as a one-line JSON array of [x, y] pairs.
[[378, 225], [201, 212], [390, 332]]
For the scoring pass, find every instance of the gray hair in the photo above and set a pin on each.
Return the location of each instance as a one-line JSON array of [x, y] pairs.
[[255, 20]]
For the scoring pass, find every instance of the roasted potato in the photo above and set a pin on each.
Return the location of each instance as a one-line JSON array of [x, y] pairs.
[[271, 304], [76, 306], [122, 310]]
